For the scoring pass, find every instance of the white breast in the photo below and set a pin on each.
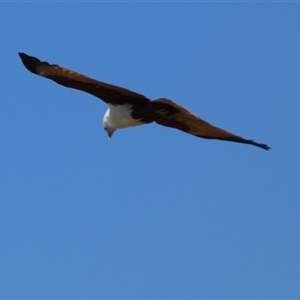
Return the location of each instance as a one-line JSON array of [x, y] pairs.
[[119, 116]]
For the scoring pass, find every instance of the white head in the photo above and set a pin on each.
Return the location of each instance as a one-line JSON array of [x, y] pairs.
[[117, 117], [107, 124]]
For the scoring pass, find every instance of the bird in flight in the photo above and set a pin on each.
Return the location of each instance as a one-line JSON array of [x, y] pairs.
[[127, 108]]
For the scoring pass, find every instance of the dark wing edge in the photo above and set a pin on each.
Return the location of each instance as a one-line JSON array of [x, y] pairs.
[[171, 114], [108, 93]]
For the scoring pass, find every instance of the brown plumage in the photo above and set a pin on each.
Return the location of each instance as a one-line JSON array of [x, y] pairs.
[[162, 111]]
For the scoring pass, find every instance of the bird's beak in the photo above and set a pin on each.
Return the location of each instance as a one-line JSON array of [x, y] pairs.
[[110, 133]]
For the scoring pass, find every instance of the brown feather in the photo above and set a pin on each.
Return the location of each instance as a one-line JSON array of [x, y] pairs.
[[107, 92], [183, 119]]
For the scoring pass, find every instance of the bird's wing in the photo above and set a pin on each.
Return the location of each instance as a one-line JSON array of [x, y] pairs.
[[108, 93], [171, 114]]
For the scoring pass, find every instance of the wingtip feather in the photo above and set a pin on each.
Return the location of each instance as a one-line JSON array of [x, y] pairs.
[[266, 147], [263, 146], [31, 63]]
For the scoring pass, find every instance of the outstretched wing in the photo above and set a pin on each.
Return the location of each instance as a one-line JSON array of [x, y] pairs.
[[171, 114], [107, 92]]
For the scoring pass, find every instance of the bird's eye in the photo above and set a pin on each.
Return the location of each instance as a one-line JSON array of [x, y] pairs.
[[105, 129]]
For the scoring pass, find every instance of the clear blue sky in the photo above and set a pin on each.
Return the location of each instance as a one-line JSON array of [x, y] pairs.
[[153, 213]]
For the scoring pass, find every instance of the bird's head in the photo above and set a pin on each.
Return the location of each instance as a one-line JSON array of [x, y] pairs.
[[107, 124], [109, 131]]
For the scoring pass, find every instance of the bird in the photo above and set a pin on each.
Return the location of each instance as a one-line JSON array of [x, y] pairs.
[[127, 108]]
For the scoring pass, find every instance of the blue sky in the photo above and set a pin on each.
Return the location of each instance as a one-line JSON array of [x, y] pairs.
[[154, 212]]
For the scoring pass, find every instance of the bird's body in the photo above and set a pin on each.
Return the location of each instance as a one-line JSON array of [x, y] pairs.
[[118, 117], [127, 108]]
